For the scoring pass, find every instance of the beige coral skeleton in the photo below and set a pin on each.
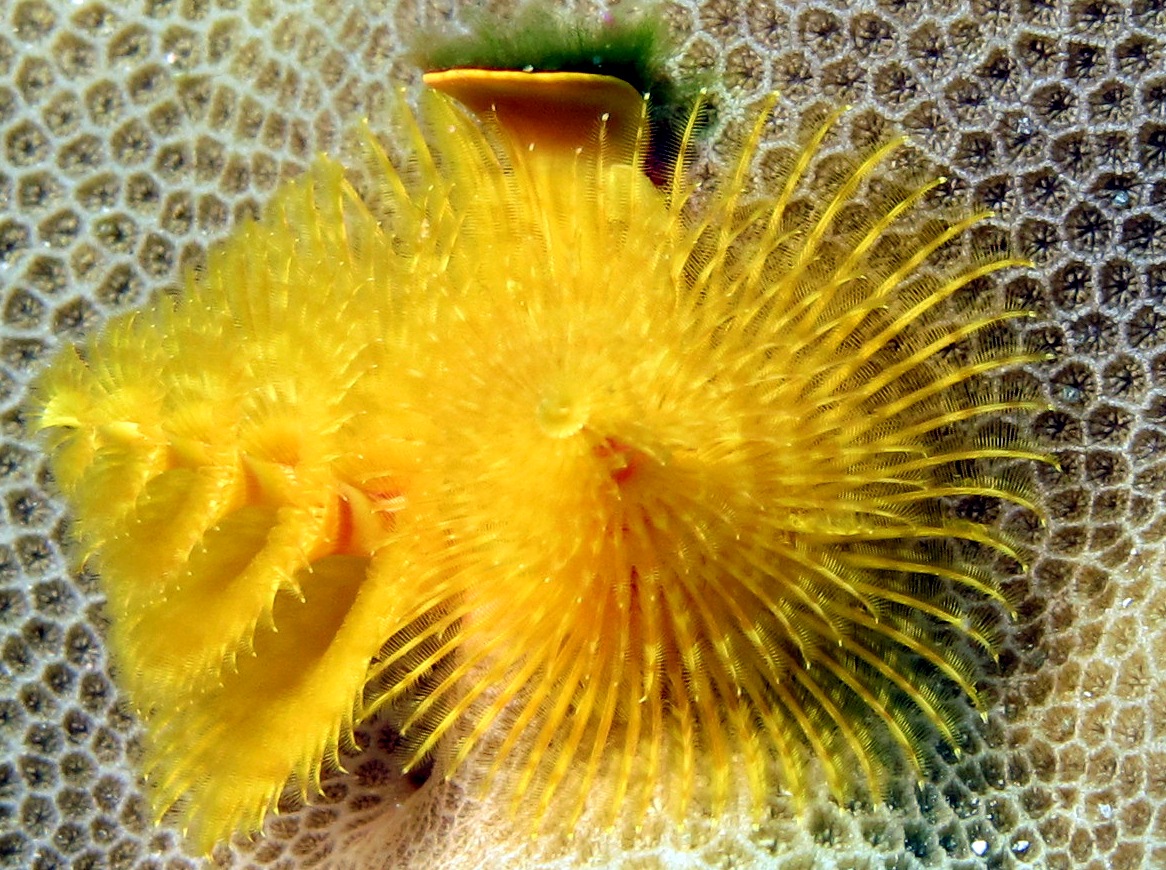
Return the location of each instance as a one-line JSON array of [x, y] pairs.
[[132, 136]]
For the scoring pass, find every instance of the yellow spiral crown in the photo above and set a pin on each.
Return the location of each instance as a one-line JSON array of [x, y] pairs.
[[604, 491]]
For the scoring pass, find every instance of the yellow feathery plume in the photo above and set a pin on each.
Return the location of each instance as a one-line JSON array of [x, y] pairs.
[[644, 490], [203, 443]]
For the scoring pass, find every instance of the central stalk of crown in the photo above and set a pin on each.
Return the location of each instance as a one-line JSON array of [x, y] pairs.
[[561, 414]]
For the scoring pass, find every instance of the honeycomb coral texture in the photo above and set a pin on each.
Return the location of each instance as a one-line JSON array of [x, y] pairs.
[[132, 135]]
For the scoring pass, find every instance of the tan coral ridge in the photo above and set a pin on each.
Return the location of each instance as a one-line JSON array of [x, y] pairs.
[[1067, 774]]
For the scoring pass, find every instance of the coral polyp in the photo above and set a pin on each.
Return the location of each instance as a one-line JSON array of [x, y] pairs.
[[594, 487]]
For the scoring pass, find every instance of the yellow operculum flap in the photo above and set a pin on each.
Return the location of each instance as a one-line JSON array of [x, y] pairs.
[[555, 111]]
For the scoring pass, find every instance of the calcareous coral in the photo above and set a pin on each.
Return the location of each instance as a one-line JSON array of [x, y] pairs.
[[122, 154]]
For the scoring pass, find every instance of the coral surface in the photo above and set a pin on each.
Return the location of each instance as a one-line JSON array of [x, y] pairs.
[[133, 136]]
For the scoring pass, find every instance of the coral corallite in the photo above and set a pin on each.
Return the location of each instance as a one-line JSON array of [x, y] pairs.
[[594, 487]]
